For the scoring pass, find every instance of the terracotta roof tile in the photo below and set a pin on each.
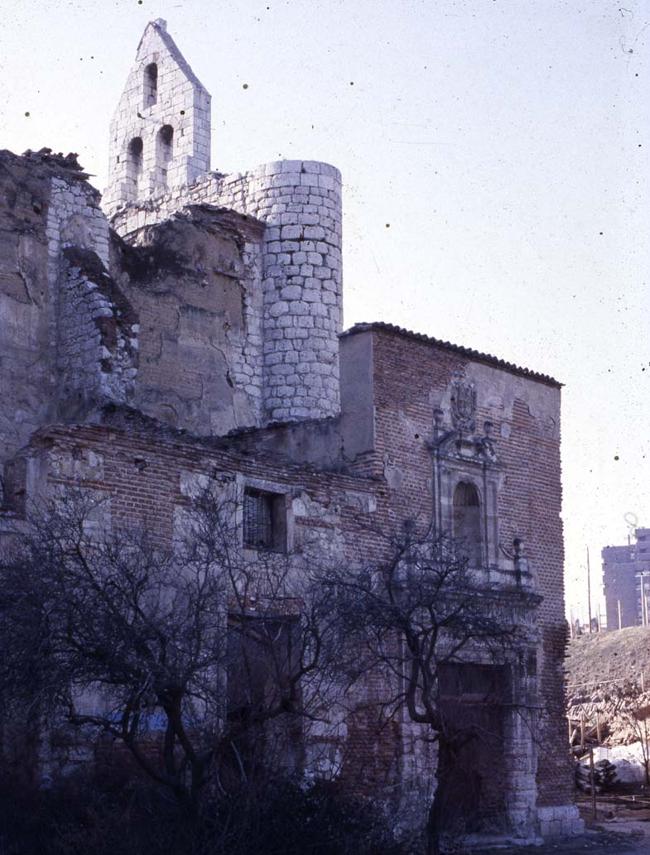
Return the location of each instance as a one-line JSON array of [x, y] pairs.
[[476, 355]]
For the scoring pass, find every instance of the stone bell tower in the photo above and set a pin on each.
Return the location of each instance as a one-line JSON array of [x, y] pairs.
[[160, 148], [160, 132]]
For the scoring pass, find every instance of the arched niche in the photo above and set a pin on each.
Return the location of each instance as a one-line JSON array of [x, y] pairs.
[[134, 157], [468, 522], [164, 155], [150, 85]]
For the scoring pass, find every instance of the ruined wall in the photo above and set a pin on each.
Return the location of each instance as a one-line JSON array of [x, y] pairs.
[[143, 472], [300, 204], [26, 379], [68, 334], [96, 335], [194, 281], [210, 320]]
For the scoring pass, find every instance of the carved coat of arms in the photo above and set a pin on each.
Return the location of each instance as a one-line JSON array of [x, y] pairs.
[[463, 405]]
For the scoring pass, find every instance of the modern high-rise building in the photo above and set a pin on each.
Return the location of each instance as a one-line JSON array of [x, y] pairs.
[[626, 582]]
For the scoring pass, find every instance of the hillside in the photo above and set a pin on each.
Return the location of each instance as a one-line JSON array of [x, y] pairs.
[[608, 681], [621, 656]]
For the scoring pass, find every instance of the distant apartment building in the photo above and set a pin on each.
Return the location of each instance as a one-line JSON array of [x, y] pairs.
[[626, 581]]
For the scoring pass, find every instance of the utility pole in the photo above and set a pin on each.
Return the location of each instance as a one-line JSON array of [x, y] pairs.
[[589, 589], [644, 597]]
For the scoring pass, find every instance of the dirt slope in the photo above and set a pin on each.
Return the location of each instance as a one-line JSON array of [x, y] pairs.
[[608, 681], [620, 655]]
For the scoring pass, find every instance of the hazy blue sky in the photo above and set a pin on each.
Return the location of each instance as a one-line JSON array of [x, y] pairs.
[[505, 142]]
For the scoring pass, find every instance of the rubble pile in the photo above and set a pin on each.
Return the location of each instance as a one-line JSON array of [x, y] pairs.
[[608, 687]]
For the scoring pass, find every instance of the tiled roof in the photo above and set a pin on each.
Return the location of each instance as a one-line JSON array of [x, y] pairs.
[[454, 348]]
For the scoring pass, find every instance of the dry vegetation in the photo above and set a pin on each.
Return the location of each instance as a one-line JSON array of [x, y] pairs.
[[608, 674]]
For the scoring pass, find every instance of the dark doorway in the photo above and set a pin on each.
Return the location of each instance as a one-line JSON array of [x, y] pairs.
[[471, 765], [263, 693]]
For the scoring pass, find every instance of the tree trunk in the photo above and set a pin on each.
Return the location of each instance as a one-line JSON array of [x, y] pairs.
[[433, 824]]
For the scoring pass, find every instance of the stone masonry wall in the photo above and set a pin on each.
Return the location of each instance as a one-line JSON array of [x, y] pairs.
[[65, 339], [93, 327], [97, 337], [75, 219], [300, 203], [195, 282]]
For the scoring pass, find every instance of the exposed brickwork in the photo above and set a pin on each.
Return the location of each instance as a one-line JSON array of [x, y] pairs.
[[141, 468], [410, 380]]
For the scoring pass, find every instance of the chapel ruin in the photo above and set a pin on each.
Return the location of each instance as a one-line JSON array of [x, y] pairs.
[[190, 323]]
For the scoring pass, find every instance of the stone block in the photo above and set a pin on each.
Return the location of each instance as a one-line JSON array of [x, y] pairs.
[[291, 232], [279, 308], [291, 292]]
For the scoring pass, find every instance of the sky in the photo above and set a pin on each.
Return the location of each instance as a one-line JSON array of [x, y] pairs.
[[495, 166]]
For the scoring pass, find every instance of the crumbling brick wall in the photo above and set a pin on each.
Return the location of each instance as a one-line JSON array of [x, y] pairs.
[[142, 473]]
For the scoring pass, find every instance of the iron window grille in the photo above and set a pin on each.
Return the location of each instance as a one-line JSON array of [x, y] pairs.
[[264, 524]]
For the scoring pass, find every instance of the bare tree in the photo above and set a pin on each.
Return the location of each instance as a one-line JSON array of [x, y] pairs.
[[185, 649], [414, 613]]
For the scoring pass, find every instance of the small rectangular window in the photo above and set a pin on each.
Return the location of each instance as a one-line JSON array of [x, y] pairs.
[[264, 520]]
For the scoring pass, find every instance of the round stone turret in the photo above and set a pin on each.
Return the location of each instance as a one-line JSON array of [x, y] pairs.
[[300, 203]]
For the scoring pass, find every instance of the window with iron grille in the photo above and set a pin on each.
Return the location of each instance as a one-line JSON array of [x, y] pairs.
[[264, 525]]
